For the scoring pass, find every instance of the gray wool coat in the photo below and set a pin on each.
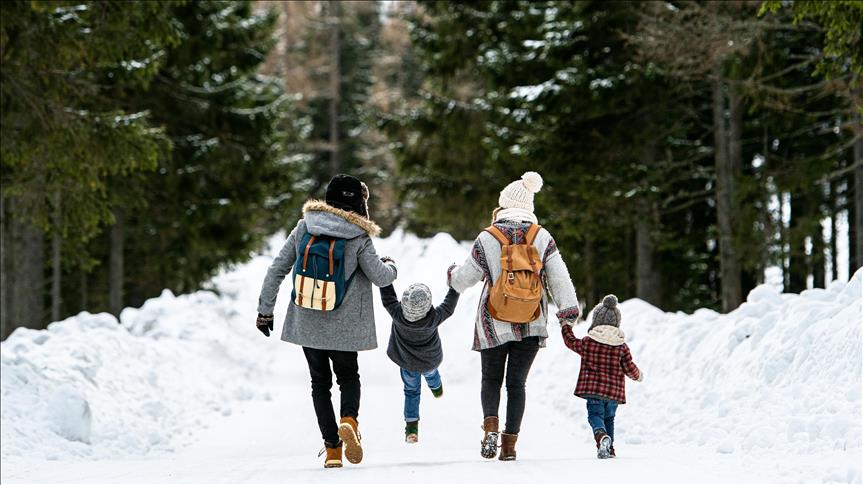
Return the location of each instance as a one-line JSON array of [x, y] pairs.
[[351, 326], [415, 346]]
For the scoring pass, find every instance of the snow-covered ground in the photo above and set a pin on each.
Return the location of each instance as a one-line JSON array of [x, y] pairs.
[[185, 389]]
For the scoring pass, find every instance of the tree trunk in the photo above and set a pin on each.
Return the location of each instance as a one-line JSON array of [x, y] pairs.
[[56, 260], [725, 198], [818, 258], [851, 207], [832, 205], [335, 88], [648, 281], [83, 288], [27, 274], [115, 279], [785, 240], [858, 206], [798, 269], [590, 279], [5, 254]]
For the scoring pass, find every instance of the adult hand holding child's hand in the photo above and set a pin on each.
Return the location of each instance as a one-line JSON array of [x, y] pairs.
[[390, 261], [565, 321]]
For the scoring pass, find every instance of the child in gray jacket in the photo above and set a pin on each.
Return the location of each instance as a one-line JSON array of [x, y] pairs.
[[415, 345]]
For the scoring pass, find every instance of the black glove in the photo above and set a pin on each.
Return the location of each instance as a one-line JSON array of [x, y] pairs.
[[264, 324]]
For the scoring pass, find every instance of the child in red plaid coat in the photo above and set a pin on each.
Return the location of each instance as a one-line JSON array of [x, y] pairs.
[[605, 360]]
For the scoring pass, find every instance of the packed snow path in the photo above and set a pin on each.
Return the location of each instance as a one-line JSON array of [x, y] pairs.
[[186, 390], [277, 442]]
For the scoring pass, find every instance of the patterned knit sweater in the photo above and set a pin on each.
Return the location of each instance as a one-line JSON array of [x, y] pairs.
[[484, 264]]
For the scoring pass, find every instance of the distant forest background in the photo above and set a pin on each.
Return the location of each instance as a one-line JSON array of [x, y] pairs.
[[690, 150]]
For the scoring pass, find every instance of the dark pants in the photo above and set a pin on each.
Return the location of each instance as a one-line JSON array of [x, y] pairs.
[[347, 377], [516, 358], [600, 415]]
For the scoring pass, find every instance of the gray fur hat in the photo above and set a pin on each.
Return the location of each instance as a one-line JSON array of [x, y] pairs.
[[606, 313], [416, 302]]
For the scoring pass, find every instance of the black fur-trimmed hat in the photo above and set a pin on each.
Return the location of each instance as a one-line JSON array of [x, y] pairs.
[[348, 193]]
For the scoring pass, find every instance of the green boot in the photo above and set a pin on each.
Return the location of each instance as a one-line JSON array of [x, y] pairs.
[[411, 431], [438, 392]]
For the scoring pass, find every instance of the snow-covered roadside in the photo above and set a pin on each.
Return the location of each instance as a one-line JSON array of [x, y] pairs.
[[88, 387], [778, 381], [772, 385]]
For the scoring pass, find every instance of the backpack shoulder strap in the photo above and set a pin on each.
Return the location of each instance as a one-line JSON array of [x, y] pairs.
[[498, 234], [306, 252], [531, 233]]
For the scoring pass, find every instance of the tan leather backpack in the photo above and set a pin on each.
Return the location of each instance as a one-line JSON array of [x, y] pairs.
[[517, 294]]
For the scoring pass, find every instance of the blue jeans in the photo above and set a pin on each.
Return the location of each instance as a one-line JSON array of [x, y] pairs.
[[600, 415], [413, 381]]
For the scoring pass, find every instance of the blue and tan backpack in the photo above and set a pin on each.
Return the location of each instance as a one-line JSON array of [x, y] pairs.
[[319, 273]]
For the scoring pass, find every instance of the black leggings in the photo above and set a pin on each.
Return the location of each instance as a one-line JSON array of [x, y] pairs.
[[494, 361], [347, 377]]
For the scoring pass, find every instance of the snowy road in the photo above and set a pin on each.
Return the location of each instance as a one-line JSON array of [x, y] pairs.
[[277, 441], [185, 390]]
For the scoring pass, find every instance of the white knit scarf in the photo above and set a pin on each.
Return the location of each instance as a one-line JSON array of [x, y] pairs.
[[516, 214]]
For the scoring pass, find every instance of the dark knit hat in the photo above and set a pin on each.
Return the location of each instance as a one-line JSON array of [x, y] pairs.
[[606, 313], [348, 193]]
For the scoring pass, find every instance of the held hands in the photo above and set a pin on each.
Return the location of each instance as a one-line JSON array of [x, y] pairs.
[[264, 324], [390, 261], [569, 316]]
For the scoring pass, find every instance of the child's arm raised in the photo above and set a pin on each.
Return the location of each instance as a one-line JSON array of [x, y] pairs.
[[570, 339], [445, 309], [629, 368], [390, 300]]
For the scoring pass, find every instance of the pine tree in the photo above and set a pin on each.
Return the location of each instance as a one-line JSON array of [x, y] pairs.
[[63, 134], [326, 55], [217, 196], [552, 87]]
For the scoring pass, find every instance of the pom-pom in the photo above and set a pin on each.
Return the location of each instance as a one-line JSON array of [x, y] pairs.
[[609, 301], [532, 181]]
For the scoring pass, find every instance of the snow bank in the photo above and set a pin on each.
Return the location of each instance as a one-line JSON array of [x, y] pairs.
[[781, 375], [90, 387]]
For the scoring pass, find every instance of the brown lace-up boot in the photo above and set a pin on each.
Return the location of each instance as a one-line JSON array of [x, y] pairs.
[[488, 444], [350, 434], [334, 456], [507, 446]]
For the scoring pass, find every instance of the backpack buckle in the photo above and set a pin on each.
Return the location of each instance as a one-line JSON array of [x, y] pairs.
[[510, 276]]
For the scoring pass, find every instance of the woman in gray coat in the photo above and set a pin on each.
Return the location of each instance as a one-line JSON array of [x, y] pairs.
[[336, 335]]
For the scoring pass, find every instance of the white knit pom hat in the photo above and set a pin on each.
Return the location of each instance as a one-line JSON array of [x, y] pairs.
[[519, 194]]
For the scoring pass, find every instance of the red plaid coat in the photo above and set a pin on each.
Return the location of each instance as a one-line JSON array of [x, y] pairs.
[[603, 367]]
